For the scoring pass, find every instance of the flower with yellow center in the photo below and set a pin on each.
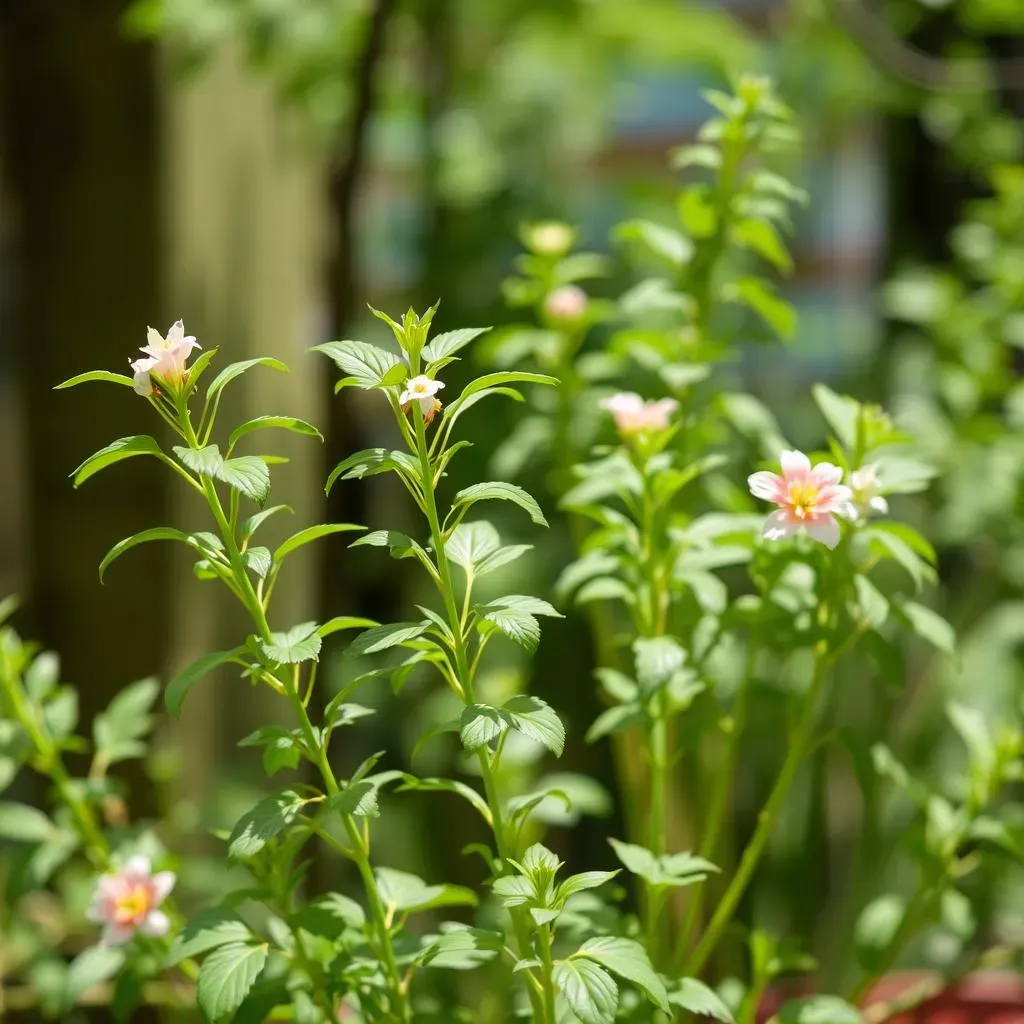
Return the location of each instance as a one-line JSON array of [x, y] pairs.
[[808, 498], [422, 389], [127, 900]]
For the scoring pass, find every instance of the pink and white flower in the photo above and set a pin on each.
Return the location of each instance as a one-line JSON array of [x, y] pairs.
[[165, 358], [808, 498], [566, 303], [633, 415], [128, 899], [866, 487], [422, 389]]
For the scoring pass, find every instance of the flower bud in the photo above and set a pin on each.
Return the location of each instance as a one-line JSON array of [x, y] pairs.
[[566, 304], [549, 238]]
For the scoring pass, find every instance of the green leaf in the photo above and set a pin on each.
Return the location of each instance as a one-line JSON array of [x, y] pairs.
[[60, 714], [252, 524], [258, 560], [444, 345], [588, 990], [226, 976], [586, 880], [658, 659], [670, 870], [471, 543], [179, 686], [117, 731], [481, 723], [929, 625], [116, 451], [290, 423], [233, 370], [342, 622], [666, 243], [760, 237], [370, 462], [637, 859], [300, 643], [532, 717], [215, 926], [359, 798], [267, 819], [778, 314], [91, 967], [841, 412], [24, 824], [876, 926], [105, 375], [248, 474], [629, 960], [461, 948], [311, 533], [402, 891], [156, 533], [364, 365], [696, 998], [490, 380], [517, 625], [501, 491], [381, 638], [329, 915], [818, 1010], [970, 725]]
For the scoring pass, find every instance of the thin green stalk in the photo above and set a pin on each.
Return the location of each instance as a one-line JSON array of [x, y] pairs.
[[712, 830], [359, 852], [520, 921], [798, 746], [548, 985]]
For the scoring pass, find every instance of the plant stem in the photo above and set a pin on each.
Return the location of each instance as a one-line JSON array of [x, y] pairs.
[[719, 800], [520, 921], [544, 943], [359, 852], [798, 746], [52, 766]]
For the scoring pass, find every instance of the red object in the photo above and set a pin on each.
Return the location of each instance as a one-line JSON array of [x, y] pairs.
[[990, 997]]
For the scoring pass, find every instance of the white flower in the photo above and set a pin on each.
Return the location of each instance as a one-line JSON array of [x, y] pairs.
[[126, 901], [422, 389], [866, 497], [166, 358], [566, 303], [633, 415]]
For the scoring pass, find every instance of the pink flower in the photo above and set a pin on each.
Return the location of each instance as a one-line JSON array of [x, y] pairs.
[[126, 901], [866, 486], [566, 303], [635, 416], [807, 498], [166, 358]]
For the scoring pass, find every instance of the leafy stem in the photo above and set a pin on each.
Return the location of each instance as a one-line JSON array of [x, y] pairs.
[[465, 671], [359, 852]]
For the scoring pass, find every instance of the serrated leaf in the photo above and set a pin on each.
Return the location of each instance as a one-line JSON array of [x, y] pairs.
[[300, 643], [178, 687], [363, 364], [629, 960], [289, 423], [518, 626], [501, 491], [116, 451], [226, 976], [481, 723], [447, 344], [329, 915], [258, 560], [215, 926], [406, 892], [311, 533], [588, 990], [381, 638], [471, 543], [248, 474], [534, 718], [658, 659], [370, 462], [268, 818], [696, 998], [233, 370]]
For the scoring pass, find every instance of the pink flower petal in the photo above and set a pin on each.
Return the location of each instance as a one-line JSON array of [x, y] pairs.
[[795, 464], [769, 486], [827, 474], [823, 529], [136, 869], [779, 525], [156, 923], [116, 934], [162, 883]]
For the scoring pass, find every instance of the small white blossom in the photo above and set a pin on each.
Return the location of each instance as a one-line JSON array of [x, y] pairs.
[[865, 485], [165, 358], [551, 238], [422, 389], [127, 900]]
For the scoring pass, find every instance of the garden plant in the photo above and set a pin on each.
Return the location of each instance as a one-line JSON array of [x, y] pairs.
[[718, 566]]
